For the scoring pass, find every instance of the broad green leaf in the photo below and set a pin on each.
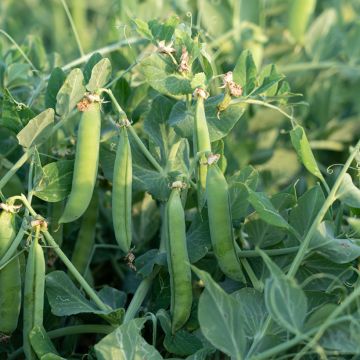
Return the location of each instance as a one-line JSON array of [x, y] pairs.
[[41, 343], [269, 79], [94, 59], [343, 337], [340, 251], [70, 93], [238, 183], [146, 262], [303, 214], [142, 28], [253, 309], [126, 343], [100, 74], [285, 300], [113, 297], [262, 234], [198, 238], [348, 193], [155, 124], [16, 75], [245, 72], [14, 116], [56, 81], [163, 31], [181, 343], [202, 354], [220, 320], [66, 299], [161, 74], [182, 118], [37, 129], [266, 210], [303, 149], [55, 183]]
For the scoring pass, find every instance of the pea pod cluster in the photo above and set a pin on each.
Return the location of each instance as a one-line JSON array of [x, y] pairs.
[[86, 163], [33, 293], [122, 190], [178, 261], [10, 277], [201, 142], [220, 222]]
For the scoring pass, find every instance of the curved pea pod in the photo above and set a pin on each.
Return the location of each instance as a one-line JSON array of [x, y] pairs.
[[300, 13], [86, 237], [221, 231], [33, 294], [10, 277], [178, 261], [86, 164], [122, 192], [202, 144]]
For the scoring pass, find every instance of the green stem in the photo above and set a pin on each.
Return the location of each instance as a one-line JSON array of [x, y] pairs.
[[270, 252], [73, 27], [326, 206], [257, 284], [138, 141], [23, 159], [18, 48], [139, 297]]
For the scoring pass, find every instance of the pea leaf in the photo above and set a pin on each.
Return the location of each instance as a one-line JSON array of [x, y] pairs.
[[13, 116], [182, 343], [126, 342], [37, 129], [54, 184], [285, 300], [161, 74], [55, 83], [198, 238], [303, 149], [245, 72], [100, 74], [94, 59], [348, 193], [66, 299], [182, 118], [70, 93], [340, 251], [227, 336], [266, 209]]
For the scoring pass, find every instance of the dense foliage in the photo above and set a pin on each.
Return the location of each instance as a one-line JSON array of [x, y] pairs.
[[185, 188]]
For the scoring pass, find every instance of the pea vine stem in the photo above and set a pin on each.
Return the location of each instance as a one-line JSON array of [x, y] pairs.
[[132, 131], [319, 217]]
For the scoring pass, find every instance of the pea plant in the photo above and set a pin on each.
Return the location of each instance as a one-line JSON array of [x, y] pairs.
[[125, 235]]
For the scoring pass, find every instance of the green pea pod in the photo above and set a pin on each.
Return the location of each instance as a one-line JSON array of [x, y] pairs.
[[178, 261], [86, 237], [300, 13], [122, 192], [221, 231], [10, 277], [202, 145], [33, 294], [86, 164]]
